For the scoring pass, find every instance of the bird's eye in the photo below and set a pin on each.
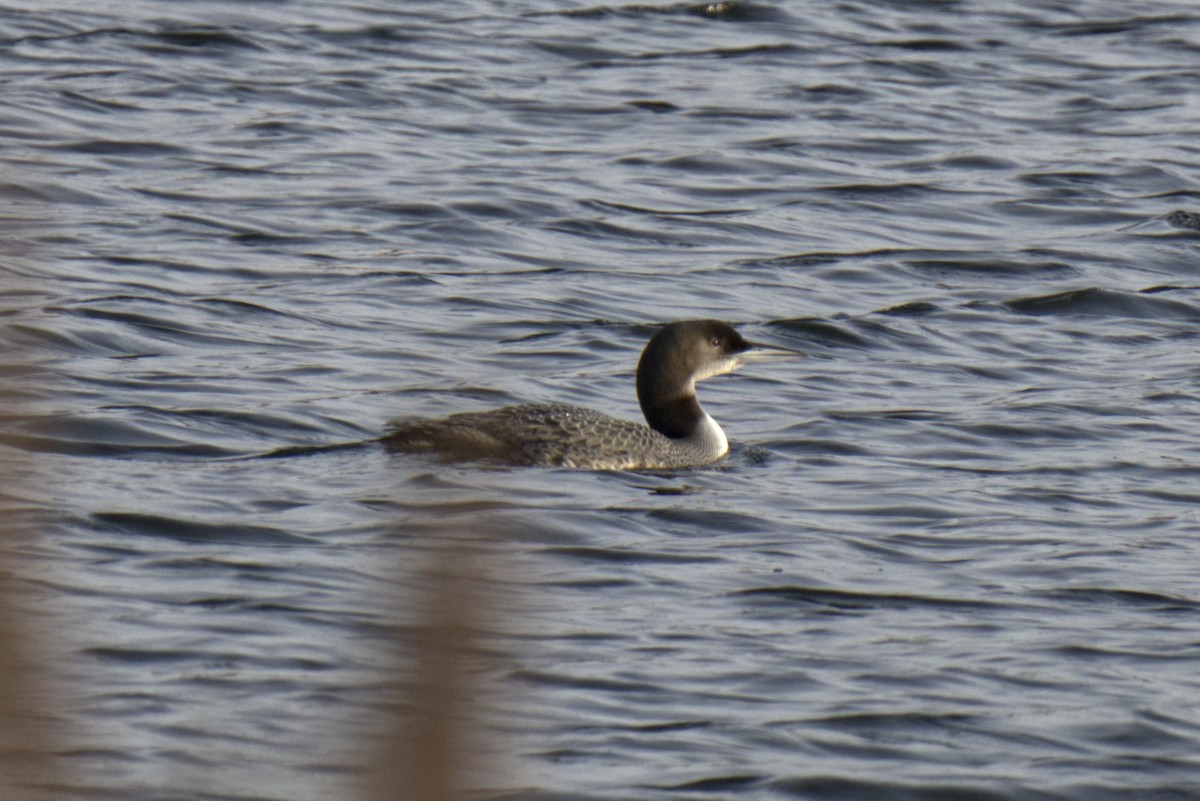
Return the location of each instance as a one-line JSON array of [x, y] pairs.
[[715, 342]]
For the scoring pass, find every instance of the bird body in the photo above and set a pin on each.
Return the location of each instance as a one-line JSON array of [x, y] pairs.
[[680, 433]]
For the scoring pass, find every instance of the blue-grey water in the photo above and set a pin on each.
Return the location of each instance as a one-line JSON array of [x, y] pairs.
[[954, 554]]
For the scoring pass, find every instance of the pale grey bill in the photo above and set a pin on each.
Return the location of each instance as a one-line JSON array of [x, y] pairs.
[[766, 353]]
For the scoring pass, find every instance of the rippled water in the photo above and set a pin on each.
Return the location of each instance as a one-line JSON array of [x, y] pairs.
[[953, 554]]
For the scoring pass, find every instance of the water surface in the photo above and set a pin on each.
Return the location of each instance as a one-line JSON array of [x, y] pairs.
[[952, 555]]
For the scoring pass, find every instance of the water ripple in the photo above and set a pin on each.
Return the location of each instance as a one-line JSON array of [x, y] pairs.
[[951, 554]]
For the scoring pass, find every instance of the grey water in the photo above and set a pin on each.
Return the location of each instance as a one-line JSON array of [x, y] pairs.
[[954, 553]]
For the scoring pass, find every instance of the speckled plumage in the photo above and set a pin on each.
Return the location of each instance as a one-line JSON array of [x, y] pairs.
[[548, 435]]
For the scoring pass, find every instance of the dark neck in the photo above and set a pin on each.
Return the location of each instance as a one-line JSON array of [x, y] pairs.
[[664, 387], [675, 418]]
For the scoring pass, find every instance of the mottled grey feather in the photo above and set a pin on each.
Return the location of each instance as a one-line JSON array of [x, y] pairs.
[[546, 434]]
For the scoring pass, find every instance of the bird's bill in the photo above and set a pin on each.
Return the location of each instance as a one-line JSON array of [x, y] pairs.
[[767, 353]]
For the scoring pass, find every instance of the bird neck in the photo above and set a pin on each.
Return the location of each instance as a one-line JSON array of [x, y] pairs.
[[677, 417]]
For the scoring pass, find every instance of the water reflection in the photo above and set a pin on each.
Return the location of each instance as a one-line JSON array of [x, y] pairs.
[[434, 747], [31, 709]]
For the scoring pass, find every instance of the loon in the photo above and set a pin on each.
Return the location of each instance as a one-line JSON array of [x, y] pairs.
[[680, 433]]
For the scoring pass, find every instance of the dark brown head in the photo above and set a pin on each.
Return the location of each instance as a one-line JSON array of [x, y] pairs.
[[676, 357]]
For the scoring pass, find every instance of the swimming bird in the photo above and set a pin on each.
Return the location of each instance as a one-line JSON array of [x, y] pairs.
[[680, 433]]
